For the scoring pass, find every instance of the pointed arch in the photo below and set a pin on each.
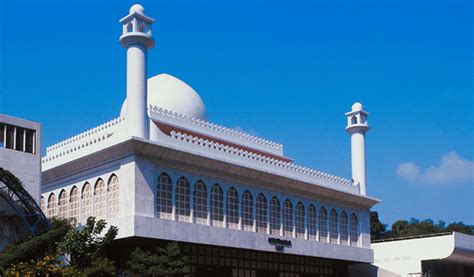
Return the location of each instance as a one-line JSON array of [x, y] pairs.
[[312, 223], [200, 202], [62, 204], [164, 196], [182, 200], [323, 225], [217, 206], [261, 215], [275, 216], [287, 214], [354, 230], [247, 211], [99, 199], [113, 197], [344, 228], [232, 208], [74, 204], [299, 221], [333, 227], [86, 202], [52, 205]]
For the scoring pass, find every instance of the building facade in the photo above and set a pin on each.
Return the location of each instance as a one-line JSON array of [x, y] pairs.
[[161, 171], [19, 153], [20, 157]]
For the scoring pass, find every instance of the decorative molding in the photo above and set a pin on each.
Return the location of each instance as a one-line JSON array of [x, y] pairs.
[[82, 140], [196, 141], [239, 135]]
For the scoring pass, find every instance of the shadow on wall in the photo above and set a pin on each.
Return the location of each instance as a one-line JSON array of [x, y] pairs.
[[368, 270]]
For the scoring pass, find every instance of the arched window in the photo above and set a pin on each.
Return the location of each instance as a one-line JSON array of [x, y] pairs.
[[299, 220], [217, 206], [183, 209], [200, 203], [99, 199], [247, 211], [74, 204], [275, 216], [164, 195], [344, 229], [113, 197], [261, 215], [354, 230], [232, 209], [354, 120], [323, 225], [86, 202], [312, 231], [333, 222], [52, 205], [43, 205], [287, 218], [62, 204]]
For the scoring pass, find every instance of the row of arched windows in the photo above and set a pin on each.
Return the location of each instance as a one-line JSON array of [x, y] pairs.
[[259, 215], [100, 201]]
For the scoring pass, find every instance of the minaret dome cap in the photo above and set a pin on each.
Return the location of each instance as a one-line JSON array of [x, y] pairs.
[[137, 8], [356, 106]]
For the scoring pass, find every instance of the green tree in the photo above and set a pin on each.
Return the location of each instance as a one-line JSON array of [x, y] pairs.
[[163, 261], [84, 246], [377, 228], [37, 247], [460, 227]]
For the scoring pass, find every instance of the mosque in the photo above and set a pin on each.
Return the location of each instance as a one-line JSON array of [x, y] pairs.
[[161, 172]]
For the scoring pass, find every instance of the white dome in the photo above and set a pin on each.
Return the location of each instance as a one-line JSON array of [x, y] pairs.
[[137, 8], [357, 106], [168, 92]]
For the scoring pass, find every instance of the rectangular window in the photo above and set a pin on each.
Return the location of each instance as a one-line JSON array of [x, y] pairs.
[[2, 135], [20, 139], [10, 137], [30, 141]]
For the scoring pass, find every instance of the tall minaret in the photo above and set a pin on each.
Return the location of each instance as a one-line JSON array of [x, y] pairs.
[[357, 126], [136, 38]]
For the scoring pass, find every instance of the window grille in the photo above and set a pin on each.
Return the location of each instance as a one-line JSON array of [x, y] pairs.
[[232, 209], [200, 203], [217, 206], [275, 216]]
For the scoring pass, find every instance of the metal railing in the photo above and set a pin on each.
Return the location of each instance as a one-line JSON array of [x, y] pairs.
[[21, 201]]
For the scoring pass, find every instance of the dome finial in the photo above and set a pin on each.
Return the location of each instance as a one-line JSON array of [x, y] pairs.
[[356, 106], [137, 8]]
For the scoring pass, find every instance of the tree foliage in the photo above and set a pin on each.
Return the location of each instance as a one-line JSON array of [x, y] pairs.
[[36, 247], [162, 261], [377, 228], [414, 227], [84, 245], [45, 254]]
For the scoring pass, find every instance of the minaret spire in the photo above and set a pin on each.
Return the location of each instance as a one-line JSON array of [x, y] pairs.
[[357, 126], [137, 38]]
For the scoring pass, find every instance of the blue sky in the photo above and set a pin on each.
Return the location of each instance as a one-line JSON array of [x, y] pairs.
[[284, 70]]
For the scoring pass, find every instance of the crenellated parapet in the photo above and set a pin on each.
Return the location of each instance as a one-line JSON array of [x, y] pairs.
[[211, 129], [82, 140], [235, 152]]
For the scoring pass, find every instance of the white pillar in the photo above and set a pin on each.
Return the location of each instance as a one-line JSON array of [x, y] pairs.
[[136, 114], [357, 126], [358, 160], [136, 38]]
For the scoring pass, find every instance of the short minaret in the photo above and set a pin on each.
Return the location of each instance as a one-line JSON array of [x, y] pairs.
[[357, 126], [136, 38]]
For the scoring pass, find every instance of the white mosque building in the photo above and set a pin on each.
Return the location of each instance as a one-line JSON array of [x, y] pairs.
[[161, 172]]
